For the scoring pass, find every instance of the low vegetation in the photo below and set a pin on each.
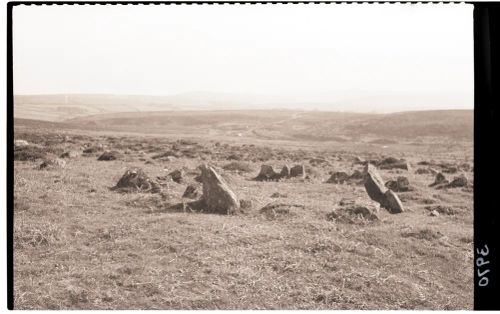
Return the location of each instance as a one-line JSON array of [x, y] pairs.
[[80, 243]]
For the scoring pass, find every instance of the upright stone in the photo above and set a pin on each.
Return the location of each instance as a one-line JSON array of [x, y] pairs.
[[266, 173], [217, 196], [392, 203], [377, 191], [439, 180], [298, 171], [374, 184], [285, 171]]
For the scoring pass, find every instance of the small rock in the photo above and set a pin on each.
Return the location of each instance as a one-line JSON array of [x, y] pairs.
[[245, 204], [53, 163], [357, 175], [170, 158], [20, 143], [191, 192], [177, 175], [439, 180], [401, 184], [338, 177], [70, 154], [434, 213], [274, 210], [109, 155]]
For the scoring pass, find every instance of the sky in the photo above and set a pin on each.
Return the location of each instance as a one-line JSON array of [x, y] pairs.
[[419, 53]]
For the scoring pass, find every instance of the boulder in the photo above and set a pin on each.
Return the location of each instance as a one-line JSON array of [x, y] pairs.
[[298, 171], [110, 155], [191, 192], [389, 161], [355, 208], [460, 181], [267, 173], [136, 180], [393, 163], [275, 210], [442, 209], [338, 177], [401, 184], [93, 149], [367, 209], [439, 180], [52, 163], [422, 171], [70, 154], [217, 196], [448, 167]]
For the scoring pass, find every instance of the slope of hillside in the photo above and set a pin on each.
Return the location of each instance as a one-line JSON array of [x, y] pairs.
[[458, 124]]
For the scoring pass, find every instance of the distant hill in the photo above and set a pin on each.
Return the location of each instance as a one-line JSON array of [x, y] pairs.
[[63, 107], [449, 123], [291, 124]]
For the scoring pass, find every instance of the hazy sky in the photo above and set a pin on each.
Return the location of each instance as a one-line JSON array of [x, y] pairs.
[[289, 51]]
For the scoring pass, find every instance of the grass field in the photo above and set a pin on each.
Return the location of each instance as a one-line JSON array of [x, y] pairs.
[[80, 245]]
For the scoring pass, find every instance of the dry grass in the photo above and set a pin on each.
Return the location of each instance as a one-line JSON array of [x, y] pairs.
[[79, 245]]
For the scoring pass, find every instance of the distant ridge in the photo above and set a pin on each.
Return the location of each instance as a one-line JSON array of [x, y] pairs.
[[59, 107]]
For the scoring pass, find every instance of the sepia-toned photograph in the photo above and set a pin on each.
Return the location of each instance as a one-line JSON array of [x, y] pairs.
[[243, 157]]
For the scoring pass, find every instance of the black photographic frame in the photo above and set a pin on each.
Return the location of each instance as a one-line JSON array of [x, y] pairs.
[[486, 18]]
